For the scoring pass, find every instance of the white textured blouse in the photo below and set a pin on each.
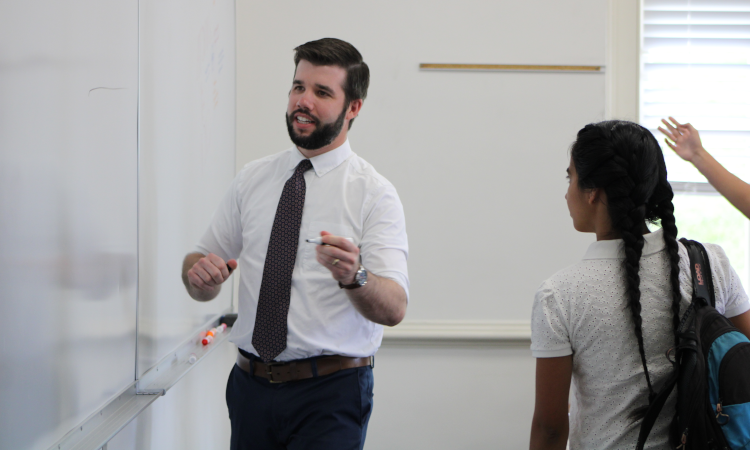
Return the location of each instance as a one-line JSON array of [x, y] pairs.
[[583, 311], [345, 196]]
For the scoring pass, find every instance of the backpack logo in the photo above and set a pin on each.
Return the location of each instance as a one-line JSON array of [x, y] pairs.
[[699, 274]]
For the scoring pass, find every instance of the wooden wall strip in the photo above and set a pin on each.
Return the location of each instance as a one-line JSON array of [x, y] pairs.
[[525, 67]]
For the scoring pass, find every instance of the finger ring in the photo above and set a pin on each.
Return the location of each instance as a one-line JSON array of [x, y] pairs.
[[335, 261]]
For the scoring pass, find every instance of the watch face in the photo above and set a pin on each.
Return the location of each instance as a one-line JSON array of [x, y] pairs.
[[361, 277]]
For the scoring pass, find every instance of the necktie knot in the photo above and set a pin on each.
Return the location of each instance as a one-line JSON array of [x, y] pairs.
[[304, 166]]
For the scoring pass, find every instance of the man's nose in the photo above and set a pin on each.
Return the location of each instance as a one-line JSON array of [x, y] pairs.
[[305, 101]]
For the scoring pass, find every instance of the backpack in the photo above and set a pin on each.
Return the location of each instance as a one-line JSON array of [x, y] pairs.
[[711, 372]]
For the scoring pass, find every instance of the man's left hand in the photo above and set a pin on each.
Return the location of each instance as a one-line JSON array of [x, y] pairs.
[[339, 256]]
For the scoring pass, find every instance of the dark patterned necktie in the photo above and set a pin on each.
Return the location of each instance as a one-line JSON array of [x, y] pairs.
[[269, 335]]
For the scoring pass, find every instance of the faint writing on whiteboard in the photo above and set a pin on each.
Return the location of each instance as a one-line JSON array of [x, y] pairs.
[[211, 65]]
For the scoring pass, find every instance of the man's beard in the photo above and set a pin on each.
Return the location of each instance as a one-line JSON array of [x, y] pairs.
[[320, 137]]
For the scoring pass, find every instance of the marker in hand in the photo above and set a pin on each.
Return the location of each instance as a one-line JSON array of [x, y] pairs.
[[208, 272], [319, 240]]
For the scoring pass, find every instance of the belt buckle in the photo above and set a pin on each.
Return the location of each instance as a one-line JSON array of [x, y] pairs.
[[269, 371]]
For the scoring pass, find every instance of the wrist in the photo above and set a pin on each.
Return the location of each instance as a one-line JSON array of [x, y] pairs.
[[358, 280], [699, 157], [350, 279]]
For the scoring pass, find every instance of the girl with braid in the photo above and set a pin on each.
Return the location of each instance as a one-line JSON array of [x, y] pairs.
[[606, 322]]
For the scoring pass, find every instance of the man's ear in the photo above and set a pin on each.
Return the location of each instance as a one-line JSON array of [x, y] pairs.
[[355, 106]]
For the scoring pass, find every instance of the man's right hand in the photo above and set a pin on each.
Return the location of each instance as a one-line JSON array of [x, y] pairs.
[[205, 274]]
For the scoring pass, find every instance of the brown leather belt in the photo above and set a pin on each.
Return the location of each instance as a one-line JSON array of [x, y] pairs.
[[299, 370]]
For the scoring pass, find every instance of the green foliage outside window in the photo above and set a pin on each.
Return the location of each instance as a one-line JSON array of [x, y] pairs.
[[711, 218]]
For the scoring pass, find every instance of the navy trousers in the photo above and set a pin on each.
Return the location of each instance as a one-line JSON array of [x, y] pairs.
[[330, 412]]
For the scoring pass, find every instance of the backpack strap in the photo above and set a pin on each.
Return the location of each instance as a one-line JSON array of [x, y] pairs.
[[655, 408], [703, 289], [703, 285]]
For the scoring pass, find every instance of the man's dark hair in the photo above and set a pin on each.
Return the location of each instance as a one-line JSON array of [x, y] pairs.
[[335, 52]]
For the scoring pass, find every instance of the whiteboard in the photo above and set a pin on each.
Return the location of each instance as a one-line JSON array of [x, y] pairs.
[[117, 139], [68, 212], [187, 158]]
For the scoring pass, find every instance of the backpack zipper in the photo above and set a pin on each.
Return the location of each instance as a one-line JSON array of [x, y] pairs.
[[720, 413], [683, 440]]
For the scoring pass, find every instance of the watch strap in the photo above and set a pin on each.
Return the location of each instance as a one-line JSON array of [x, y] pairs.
[[356, 284]]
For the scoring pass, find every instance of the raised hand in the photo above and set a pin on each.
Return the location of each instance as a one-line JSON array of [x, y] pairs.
[[686, 142], [683, 139]]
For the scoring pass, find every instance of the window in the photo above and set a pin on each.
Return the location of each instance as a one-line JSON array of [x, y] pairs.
[[695, 59]]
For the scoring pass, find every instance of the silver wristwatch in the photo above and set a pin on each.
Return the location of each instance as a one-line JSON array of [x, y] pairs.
[[360, 279]]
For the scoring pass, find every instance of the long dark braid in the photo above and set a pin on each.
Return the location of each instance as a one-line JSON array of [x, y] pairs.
[[663, 209], [632, 236], [625, 160]]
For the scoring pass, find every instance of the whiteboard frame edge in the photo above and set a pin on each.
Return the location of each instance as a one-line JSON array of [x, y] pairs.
[[104, 423], [163, 375]]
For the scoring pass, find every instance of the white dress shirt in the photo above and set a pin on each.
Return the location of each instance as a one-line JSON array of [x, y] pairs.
[[345, 196], [582, 310]]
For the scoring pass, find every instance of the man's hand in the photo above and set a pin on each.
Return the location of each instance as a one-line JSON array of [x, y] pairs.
[[685, 140], [381, 300], [339, 256], [203, 275]]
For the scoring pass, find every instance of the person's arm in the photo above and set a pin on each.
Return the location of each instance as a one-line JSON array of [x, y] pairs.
[[742, 323], [549, 427], [203, 275], [686, 142], [381, 300]]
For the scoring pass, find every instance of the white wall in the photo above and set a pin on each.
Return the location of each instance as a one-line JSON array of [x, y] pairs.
[[449, 395]]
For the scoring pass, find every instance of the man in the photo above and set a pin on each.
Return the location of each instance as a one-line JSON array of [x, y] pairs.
[[310, 316]]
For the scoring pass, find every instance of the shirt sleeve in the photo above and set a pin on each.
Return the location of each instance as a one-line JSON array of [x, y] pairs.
[[224, 234], [384, 247], [550, 337], [730, 295]]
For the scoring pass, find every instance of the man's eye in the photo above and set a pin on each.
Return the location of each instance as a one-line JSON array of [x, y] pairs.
[[323, 93]]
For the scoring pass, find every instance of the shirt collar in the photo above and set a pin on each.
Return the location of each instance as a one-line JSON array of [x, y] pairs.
[[322, 164], [653, 243]]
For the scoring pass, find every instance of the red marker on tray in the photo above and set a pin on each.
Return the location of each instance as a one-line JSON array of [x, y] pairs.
[[210, 334]]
